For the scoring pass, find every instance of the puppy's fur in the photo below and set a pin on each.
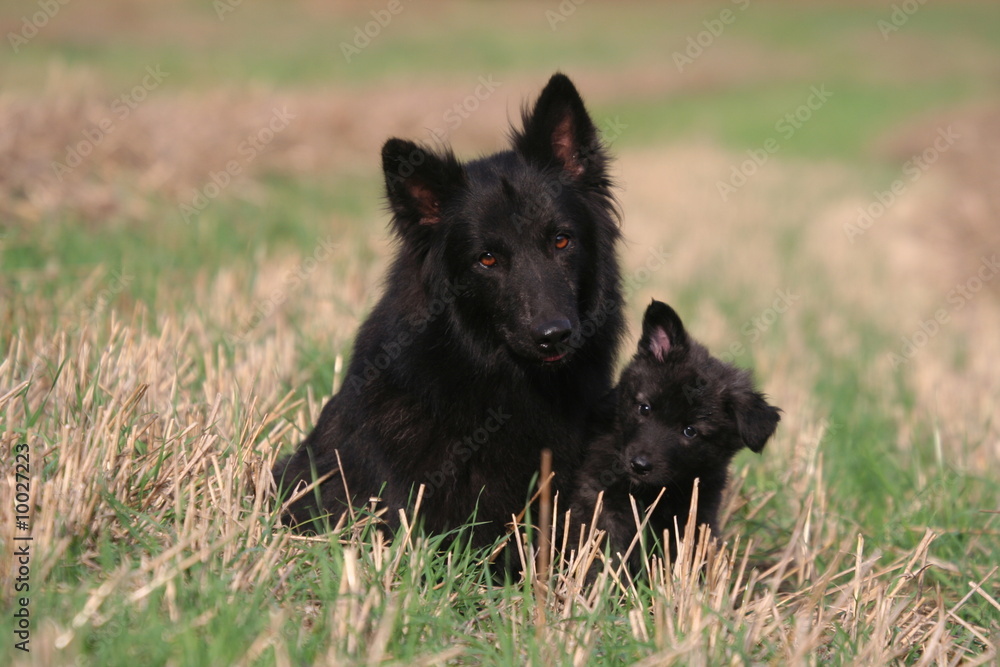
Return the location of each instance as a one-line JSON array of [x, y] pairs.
[[681, 415]]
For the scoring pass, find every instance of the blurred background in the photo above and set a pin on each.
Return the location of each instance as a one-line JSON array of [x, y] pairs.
[[208, 152], [821, 176]]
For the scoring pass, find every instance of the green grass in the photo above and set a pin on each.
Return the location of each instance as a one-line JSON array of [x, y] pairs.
[[284, 46], [347, 595], [744, 118], [291, 219]]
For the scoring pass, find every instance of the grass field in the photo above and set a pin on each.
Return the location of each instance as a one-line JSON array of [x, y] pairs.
[[192, 229]]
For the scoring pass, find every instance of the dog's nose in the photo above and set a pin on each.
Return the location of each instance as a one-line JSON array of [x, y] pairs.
[[641, 465], [548, 335]]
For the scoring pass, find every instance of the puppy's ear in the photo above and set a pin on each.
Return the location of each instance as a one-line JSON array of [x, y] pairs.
[[558, 131], [418, 184], [663, 332], [756, 420]]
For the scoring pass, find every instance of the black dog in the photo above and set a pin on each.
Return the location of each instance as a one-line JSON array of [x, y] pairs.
[[495, 337], [681, 415]]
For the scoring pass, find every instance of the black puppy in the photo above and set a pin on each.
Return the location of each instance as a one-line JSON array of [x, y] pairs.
[[681, 415]]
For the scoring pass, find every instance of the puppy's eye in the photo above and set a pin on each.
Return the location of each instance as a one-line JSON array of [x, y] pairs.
[[690, 431], [487, 259], [561, 241], [644, 409]]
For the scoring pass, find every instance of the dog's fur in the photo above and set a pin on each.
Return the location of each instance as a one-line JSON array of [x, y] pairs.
[[495, 337], [681, 415]]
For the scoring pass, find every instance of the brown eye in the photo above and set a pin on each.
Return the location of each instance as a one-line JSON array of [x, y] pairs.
[[561, 241], [487, 259]]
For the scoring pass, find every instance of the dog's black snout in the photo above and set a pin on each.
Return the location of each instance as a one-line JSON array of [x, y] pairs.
[[550, 334], [641, 465]]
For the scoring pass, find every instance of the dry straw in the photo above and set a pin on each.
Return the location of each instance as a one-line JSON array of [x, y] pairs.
[[198, 471]]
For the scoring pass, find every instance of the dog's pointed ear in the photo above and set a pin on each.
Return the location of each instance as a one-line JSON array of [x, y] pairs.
[[418, 183], [663, 332], [756, 420], [558, 131]]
